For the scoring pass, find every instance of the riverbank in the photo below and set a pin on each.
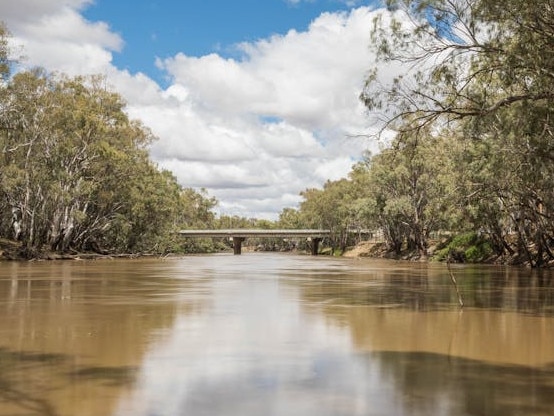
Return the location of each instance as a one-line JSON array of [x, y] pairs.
[[436, 252], [379, 250], [13, 251], [365, 249]]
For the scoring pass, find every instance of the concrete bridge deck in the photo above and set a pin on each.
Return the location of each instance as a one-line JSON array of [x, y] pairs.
[[239, 235]]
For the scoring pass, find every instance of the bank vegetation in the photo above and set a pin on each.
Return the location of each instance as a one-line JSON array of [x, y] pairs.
[[472, 116], [75, 174], [465, 171]]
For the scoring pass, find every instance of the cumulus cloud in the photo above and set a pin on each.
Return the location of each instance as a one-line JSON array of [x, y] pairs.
[[255, 130], [53, 34], [284, 110], [29, 10]]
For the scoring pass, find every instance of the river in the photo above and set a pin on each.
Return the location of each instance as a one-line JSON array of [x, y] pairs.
[[274, 335]]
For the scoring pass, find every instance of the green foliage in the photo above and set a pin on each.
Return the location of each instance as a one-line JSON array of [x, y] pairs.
[[465, 248], [290, 218], [402, 192], [473, 115], [335, 207], [479, 74], [75, 172]]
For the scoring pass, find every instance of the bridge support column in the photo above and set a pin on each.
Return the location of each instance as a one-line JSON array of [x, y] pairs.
[[315, 245], [237, 245]]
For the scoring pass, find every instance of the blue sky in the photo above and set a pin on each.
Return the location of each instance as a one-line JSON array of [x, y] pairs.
[[254, 101], [163, 28]]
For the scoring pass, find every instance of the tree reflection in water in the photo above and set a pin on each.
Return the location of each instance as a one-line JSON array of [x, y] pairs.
[[437, 384], [426, 287], [28, 381]]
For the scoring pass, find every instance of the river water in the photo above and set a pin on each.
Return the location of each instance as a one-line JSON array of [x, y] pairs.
[[274, 335]]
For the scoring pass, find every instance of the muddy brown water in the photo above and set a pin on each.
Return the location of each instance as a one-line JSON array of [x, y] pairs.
[[273, 334]]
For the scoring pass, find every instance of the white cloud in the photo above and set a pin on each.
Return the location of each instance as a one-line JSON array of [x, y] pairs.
[[311, 78], [254, 131], [15, 12], [54, 35]]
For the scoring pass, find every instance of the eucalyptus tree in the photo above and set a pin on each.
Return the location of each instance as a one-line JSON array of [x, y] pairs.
[[26, 140], [75, 171], [324, 208], [195, 212], [290, 218], [4, 52], [196, 209], [483, 70], [462, 59], [410, 188], [504, 181], [338, 208]]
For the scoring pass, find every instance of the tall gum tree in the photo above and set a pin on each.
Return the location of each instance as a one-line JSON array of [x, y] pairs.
[[409, 185], [483, 71], [75, 171], [463, 58]]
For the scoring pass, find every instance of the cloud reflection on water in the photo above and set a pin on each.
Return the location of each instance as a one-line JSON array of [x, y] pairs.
[[255, 352]]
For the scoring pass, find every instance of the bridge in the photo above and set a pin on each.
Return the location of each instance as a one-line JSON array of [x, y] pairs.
[[239, 235]]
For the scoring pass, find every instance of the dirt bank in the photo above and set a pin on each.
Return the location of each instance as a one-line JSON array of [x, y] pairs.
[[379, 250]]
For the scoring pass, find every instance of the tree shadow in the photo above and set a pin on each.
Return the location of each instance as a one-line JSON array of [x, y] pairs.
[[27, 378], [15, 392], [109, 376], [469, 387]]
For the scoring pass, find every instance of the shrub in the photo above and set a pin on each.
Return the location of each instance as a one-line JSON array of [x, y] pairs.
[[465, 248]]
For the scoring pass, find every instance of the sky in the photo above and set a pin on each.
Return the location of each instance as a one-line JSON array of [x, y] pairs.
[[254, 101]]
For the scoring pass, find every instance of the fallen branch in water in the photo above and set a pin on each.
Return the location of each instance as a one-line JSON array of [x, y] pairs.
[[454, 282]]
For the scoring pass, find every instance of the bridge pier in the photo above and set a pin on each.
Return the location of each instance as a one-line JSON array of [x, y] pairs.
[[315, 245], [237, 245]]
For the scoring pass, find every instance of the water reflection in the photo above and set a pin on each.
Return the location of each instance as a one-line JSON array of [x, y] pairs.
[[424, 287], [273, 335], [74, 332], [435, 384], [254, 352]]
